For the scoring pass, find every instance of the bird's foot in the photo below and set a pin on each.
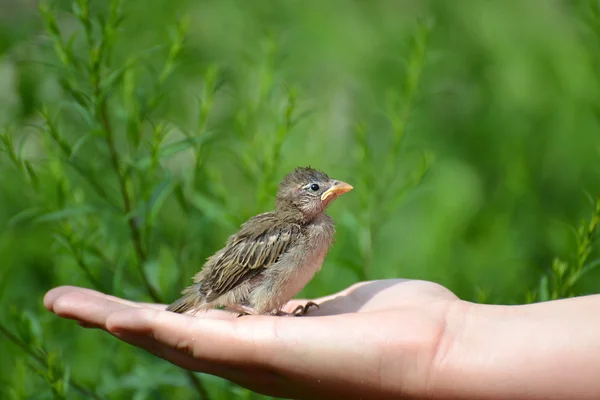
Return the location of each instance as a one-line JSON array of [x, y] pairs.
[[298, 311], [243, 310], [303, 309], [280, 313]]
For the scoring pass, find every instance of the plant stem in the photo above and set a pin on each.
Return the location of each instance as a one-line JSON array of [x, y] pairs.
[[198, 385], [39, 358], [585, 247], [67, 153], [133, 229], [86, 270]]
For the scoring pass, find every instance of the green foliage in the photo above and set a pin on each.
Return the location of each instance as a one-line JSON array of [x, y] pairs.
[[136, 136], [563, 277]]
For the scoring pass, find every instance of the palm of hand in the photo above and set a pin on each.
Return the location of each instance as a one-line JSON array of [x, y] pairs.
[[375, 339]]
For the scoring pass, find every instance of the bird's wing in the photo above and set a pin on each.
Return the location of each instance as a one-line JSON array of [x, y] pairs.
[[258, 245]]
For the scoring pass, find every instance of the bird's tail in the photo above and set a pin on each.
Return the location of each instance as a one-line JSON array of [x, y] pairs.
[[192, 299]]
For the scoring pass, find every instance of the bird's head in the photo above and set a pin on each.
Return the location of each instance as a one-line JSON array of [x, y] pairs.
[[306, 192]]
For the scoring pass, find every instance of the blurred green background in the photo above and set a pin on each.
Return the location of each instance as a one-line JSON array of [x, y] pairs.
[[469, 129]]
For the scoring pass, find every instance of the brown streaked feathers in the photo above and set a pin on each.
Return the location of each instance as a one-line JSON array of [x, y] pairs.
[[259, 244]]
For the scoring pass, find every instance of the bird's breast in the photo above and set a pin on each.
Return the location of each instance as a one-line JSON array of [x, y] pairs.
[[305, 260]]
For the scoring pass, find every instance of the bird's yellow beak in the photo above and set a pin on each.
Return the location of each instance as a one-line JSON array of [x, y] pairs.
[[337, 189]]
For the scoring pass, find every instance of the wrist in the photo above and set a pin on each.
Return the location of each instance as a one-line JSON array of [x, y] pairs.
[[539, 351]]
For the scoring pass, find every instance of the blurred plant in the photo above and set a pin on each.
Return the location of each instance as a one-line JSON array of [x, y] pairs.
[[564, 275], [48, 365], [105, 152], [387, 184], [267, 95], [84, 221]]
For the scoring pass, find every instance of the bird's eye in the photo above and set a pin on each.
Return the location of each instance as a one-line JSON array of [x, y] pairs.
[[314, 187]]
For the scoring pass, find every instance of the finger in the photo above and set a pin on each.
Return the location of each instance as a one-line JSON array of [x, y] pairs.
[[155, 306], [53, 294], [225, 341], [93, 308], [86, 308]]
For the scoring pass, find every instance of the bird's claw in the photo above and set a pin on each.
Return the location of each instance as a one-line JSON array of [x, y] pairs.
[[280, 313], [303, 309], [298, 311]]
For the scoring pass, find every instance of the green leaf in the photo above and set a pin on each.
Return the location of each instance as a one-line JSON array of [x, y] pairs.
[[79, 96], [152, 270], [20, 146], [544, 293], [559, 268], [213, 210], [63, 240], [157, 199], [82, 111], [172, 149], [351, 263], [350, 222], [32, 174], [530, 297], [29, 331], [133, 131], [169, 268], [66, 213], [181, 197], [590, 267], [163, 272], [482, 296], [116, 76], [57, 375], [79, 144], [117, 282], [61, 192], [26, 216]]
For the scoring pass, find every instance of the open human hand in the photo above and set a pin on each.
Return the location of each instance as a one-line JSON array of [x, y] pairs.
[[375, 340]]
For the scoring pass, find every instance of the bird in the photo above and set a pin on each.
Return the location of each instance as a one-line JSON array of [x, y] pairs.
[[274, 255]]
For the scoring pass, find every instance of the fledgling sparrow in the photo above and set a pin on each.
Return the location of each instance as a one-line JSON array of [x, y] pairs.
[[273, 255]]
